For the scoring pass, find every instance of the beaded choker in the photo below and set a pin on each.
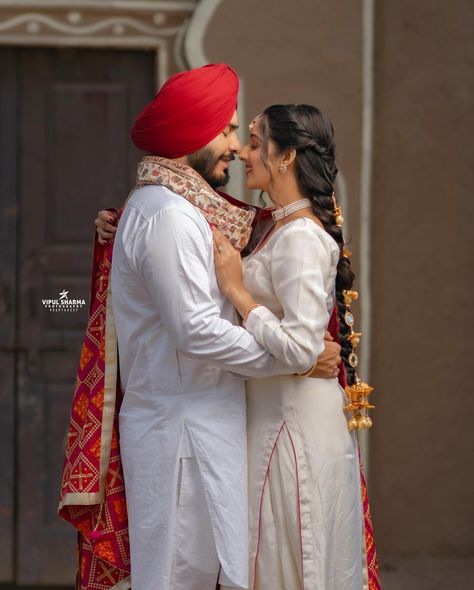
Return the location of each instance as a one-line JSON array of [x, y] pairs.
[[291, 208]]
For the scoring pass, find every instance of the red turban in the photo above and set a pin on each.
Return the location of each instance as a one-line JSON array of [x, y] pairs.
[[189, 111]]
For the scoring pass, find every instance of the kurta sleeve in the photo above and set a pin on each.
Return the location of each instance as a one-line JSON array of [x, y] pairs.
[[171, 254], [300, 260]]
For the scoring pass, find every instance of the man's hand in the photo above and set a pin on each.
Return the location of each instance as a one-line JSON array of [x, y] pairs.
[[329, 360], [105, 229]]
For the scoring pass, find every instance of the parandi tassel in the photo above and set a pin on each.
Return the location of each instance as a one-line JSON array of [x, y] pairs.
[[358, 407], [358, 393]]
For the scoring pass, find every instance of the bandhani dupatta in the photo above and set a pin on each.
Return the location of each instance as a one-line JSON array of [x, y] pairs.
[[92, 490]]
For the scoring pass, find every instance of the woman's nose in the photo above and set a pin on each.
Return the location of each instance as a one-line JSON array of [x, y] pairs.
[[243, 154]]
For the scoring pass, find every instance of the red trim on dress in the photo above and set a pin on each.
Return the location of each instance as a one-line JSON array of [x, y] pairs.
[[299, 506], [261, 503], [284, 425]]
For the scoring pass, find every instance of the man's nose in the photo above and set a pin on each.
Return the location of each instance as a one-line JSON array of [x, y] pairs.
[[235, 145]]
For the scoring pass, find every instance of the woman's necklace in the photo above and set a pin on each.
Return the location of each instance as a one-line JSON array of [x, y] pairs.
[[291, 208]]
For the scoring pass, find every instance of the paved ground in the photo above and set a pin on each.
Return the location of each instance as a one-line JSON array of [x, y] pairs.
[[428, 574], [400, 574]]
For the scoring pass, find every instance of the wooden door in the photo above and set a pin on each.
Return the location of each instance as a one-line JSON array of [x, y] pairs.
[[75, 108], [8, 246]]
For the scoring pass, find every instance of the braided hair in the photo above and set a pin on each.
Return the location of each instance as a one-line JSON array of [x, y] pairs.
[[307, 130]]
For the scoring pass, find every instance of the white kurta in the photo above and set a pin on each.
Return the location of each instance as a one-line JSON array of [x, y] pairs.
[[177, 343], [306, 518]]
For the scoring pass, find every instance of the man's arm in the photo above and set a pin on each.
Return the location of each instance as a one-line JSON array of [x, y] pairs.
[[171, 254], [328, 361]]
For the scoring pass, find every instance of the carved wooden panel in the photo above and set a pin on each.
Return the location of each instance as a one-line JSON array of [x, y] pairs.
[[140, 24]]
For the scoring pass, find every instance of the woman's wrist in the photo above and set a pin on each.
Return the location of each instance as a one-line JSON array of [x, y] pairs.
[[235, 292], [242, 300], [248, 312]]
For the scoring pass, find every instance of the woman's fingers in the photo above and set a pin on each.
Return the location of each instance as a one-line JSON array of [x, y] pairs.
[[223, 244], [217, 240], [227, 262], [105, 229], [216, 250]]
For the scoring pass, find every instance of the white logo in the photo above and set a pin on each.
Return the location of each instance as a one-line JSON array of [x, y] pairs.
[[63, 303]]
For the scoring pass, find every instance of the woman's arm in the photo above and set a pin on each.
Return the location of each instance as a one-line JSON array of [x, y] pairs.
[[300, 260]]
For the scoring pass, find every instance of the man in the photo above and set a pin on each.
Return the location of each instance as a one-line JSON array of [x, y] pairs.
[[182, 356]]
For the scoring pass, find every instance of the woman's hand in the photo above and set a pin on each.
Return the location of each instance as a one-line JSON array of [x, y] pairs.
[[105, 229], [228, 265], [229, 274]]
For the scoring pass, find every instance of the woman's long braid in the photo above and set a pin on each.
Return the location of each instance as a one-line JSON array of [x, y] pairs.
[[309, 131]]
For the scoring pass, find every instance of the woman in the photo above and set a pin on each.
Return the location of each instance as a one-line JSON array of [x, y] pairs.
[[304, 487], [306, 517]]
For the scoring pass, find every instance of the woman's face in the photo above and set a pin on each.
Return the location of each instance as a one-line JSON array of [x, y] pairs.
[[258, 176]]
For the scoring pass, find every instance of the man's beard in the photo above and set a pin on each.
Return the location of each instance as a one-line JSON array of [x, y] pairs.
[[204, 161]]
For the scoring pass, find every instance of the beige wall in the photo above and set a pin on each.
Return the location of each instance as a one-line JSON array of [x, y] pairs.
[[422, 239], [286, 53], [422, 450]]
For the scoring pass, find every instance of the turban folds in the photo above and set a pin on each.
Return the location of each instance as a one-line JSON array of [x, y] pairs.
[[189, 111]]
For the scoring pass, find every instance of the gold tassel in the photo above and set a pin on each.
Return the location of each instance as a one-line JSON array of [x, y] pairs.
[[359, 405], [358, 393]]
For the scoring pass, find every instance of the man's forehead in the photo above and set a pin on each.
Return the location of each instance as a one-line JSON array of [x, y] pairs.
[[234, 122]]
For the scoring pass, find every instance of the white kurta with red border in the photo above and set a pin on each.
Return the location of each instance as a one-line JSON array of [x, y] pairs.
[[305, 506]]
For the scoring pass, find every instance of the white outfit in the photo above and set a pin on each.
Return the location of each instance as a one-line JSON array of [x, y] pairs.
[[306, 519], [178, 347], [197, 565]]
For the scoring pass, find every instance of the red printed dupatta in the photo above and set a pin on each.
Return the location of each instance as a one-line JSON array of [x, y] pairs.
[[92, 491]]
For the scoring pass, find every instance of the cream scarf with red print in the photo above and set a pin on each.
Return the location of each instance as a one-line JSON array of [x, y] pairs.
[[235, 223]]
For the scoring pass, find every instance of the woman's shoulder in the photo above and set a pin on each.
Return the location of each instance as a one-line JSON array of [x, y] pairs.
[[304, 232]]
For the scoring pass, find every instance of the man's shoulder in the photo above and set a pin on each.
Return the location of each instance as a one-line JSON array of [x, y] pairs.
[[155, 216], [152, 200]]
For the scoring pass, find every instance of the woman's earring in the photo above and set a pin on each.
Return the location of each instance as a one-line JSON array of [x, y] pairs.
[[282, 168]]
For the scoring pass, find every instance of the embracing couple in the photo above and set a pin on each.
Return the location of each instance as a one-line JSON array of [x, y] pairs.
[[240, 468]]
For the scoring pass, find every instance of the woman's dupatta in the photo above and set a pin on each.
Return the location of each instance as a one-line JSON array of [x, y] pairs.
[[93, 491]]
